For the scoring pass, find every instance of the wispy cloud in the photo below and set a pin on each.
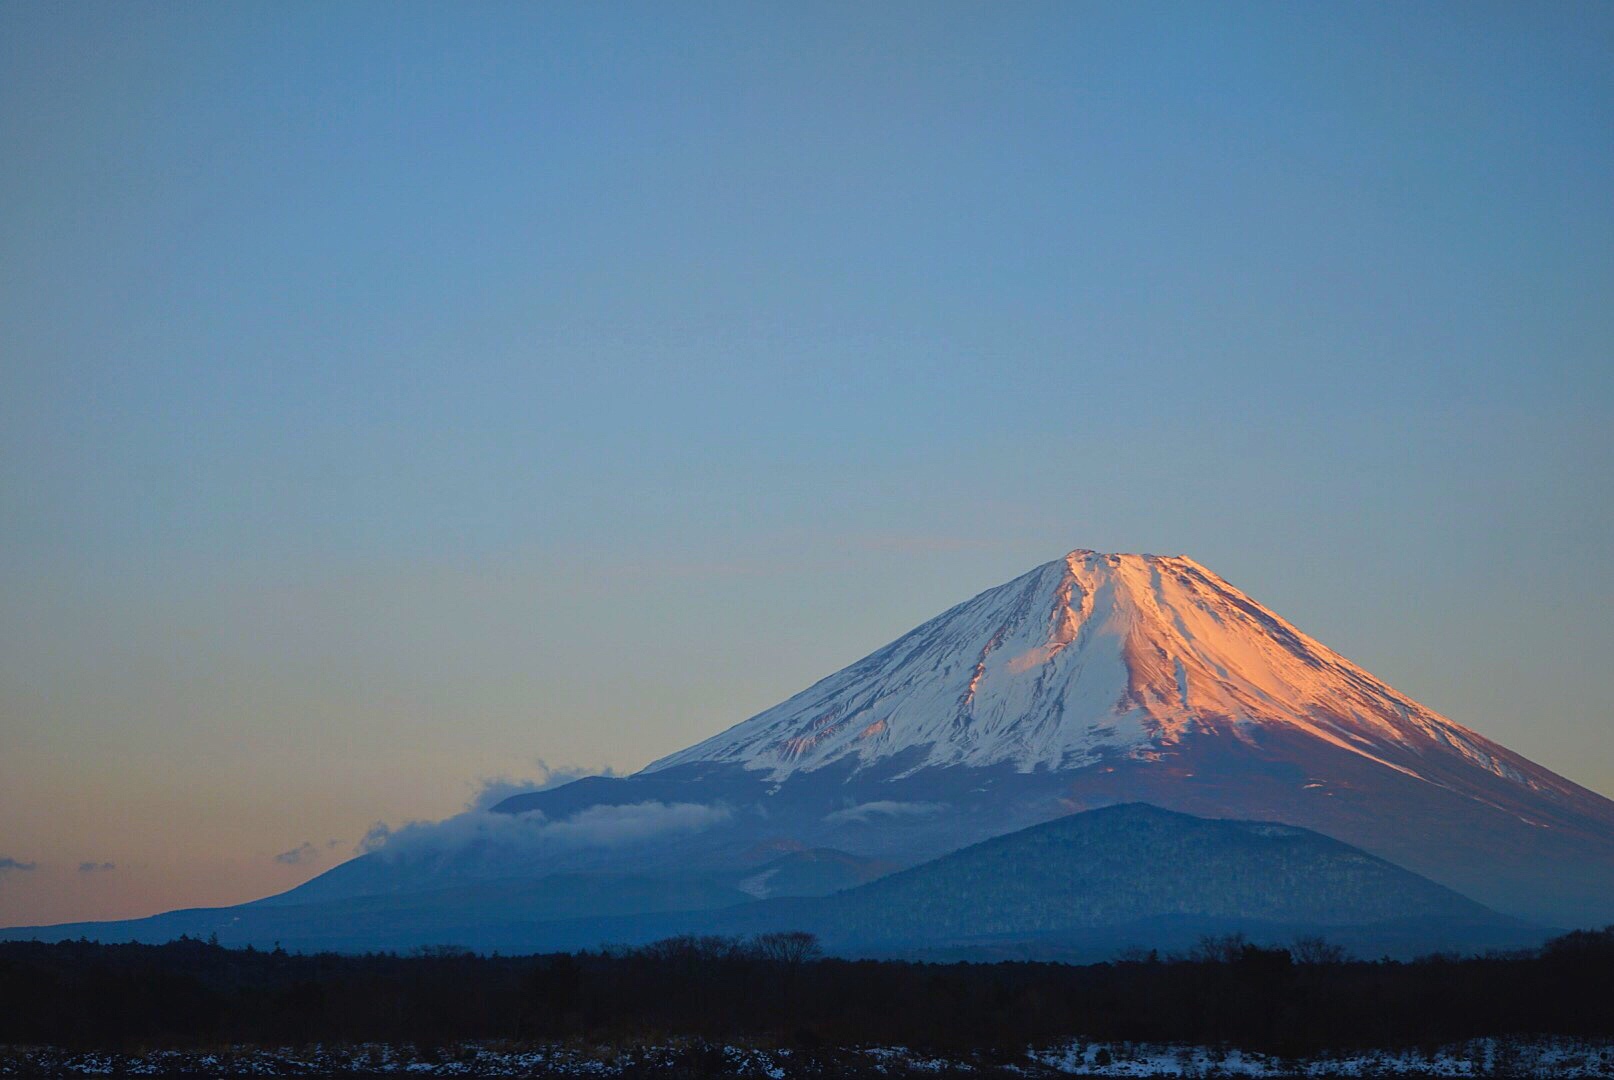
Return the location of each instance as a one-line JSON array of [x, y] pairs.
[[374, 838], [489, 833], [493, 790], [306, 852], [302, 853], [864, 812], [7, 863], [482, 831], [96, 867]]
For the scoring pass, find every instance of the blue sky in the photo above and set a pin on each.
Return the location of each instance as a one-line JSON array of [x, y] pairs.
[[394, 395]]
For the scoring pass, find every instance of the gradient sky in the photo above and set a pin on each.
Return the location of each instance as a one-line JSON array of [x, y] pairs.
[[394, 396]]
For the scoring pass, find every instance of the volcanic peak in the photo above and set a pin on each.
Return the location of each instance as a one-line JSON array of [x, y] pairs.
[[1090, 657]]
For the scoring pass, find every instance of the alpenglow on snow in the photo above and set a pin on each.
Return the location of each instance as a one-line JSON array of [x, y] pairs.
[[1089, 656]]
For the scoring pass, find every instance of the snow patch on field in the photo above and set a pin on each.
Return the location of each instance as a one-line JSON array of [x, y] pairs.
[[1550, 1058]]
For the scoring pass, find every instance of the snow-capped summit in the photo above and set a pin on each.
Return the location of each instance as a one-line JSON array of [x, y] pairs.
[[1097, 656]]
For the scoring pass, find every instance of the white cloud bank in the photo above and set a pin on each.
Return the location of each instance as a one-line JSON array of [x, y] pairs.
[[514, 835]]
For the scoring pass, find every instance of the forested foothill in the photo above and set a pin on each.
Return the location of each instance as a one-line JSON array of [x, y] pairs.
[[775, 990]]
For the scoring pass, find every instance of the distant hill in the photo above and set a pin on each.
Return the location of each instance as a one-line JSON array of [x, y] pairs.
[[1135, 861], [1120, 869]]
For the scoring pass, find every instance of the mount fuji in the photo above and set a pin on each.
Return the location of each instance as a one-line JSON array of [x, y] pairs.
[[1091, 681], [1098, 679]]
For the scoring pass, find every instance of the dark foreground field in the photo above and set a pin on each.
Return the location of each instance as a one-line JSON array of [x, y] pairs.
[[770, 1008]]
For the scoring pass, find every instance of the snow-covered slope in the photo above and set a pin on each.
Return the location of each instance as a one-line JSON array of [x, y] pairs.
[[1093, 656]]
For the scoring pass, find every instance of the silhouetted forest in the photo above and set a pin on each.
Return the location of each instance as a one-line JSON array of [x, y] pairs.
[[774, 988]]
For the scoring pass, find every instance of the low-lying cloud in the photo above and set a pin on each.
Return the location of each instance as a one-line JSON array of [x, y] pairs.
[[862, 813], [96, 867], [7, 864], [495, 789], [374, 838], [307, 851], [516, 835], [303, 852]]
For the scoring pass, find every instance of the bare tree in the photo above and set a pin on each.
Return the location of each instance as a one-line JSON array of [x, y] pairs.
[[788, 946], [1219, 948], [1313, 949]]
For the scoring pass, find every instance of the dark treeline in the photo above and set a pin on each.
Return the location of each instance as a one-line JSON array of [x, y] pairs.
[[81, 995]]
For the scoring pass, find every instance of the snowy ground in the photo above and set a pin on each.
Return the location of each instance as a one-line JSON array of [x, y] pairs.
[[1550, 1058]]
